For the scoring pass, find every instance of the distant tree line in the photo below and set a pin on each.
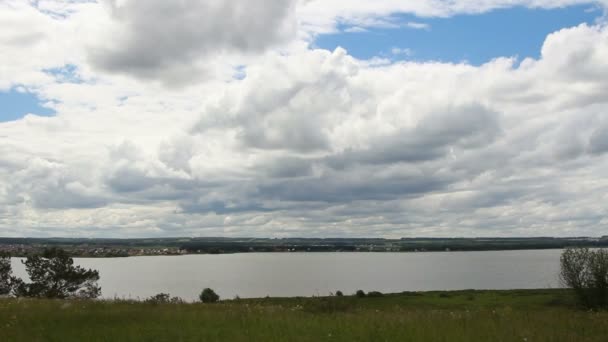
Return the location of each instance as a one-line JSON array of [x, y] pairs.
[[116, 247]]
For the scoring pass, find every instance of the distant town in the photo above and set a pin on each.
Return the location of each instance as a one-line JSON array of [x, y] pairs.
[[79, 247]]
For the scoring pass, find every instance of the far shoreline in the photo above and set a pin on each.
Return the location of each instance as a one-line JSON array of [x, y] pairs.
[[320, 252], [113, 248]]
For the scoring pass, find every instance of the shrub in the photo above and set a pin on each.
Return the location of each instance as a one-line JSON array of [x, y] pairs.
[[209, 296], [163, 298], [360, 293], [339, 293], [374, 294], [586, 271]]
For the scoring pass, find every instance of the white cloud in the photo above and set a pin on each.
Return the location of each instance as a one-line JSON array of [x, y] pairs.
[[355, 29], [418, 26], [402, 51], [309, 142], [191, 31]]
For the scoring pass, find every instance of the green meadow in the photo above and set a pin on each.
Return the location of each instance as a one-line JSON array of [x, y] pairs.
[[516, 315]]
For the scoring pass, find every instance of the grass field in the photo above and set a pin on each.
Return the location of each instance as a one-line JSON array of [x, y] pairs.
[[518, 315]]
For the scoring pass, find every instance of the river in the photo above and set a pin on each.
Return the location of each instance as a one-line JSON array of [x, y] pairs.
[[310, 274]]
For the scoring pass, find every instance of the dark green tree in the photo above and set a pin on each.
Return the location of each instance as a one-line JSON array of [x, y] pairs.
[[53, 275], [6, 275], [209, 296]]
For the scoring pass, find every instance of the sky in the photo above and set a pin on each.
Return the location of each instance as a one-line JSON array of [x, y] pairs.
[[303, 118]]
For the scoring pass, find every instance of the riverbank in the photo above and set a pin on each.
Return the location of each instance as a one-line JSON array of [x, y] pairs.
[[514, 315]]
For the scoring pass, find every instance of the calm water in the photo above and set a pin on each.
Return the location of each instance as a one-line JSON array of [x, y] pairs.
[[307, 274]]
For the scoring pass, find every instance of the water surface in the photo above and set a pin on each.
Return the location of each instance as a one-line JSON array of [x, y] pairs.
[[308, 274]]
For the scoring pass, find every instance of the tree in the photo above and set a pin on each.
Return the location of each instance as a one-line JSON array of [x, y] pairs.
[[360, 293], [6, 275], [586, 271], [209, 296], [53, 275]]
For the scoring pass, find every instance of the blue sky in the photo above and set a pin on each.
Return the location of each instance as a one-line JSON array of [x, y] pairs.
[[15, 105], [473, 38]]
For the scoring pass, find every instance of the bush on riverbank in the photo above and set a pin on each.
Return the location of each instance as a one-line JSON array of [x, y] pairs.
[[586, 271], [209, 296], [164, 298]]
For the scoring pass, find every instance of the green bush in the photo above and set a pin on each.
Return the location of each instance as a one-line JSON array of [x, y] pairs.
[[164, 298], [339, 293], [586, 271], [374, 294], [360, 293], [209, 296]]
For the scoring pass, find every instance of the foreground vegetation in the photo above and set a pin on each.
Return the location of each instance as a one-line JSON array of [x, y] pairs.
[[518, 315], [58, 305]]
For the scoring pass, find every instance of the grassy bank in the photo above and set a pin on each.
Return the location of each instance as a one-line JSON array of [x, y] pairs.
[[521, 315]]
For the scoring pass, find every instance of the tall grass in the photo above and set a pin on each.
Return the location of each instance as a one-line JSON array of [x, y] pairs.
[[546, 315]]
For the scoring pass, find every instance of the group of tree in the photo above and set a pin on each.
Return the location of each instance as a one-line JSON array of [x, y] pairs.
[[52, 274], [586, 272]]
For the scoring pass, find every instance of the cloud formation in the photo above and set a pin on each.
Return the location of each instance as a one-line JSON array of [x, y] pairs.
[[171, 39], [304, 142]]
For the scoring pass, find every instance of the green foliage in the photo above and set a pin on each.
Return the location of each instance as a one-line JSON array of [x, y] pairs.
[[163, 298], [523, 315], [586, 271], [375, 294], [6, 274], [53, 275], [339, 293], [209, 296], [326, 305], [360, 293]]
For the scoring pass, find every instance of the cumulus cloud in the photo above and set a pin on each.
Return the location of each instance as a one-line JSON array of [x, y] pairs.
[[306, 142], [168, 39]]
